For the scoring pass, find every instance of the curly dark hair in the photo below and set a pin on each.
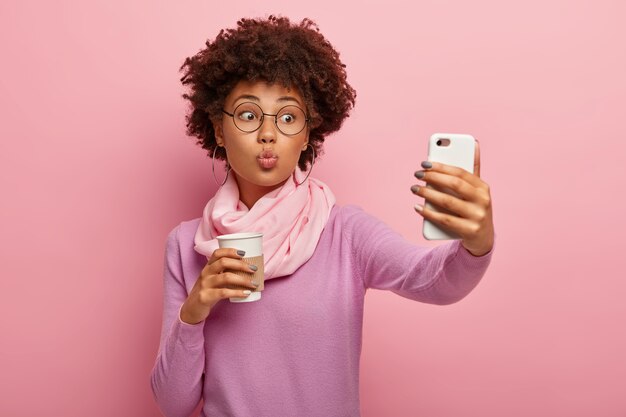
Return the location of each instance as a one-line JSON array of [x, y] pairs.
[[275, 51]]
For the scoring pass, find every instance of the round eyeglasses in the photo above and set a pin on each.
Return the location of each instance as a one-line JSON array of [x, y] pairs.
[[248, 117]]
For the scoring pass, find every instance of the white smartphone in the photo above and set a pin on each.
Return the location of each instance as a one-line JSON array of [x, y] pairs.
[[455, 149]]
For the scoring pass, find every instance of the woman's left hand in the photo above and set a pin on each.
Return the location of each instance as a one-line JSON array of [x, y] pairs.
[[473, 221]]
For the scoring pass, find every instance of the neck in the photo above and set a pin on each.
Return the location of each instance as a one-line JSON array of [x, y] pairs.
[[250, 193]]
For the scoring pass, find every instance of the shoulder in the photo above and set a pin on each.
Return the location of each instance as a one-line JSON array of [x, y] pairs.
[[182, 235], [352, 216], [353, 222], [342, 213], [180, 252]]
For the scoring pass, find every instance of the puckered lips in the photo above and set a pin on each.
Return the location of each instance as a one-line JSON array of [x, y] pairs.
[[267, 159]]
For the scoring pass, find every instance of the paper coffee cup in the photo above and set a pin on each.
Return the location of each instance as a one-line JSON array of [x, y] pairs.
[[252, 244]]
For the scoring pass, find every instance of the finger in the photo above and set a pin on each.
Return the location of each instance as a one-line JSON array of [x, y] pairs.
[[226, 252], [450, 184], [223, 264], [450, 170], [477, 159], [231, 293], [449, 202], [231, 280], [461, 227]]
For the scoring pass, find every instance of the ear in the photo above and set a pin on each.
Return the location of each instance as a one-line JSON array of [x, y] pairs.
[[219, 132]]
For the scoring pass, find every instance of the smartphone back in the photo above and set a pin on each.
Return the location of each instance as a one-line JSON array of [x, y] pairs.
[[452, 149]]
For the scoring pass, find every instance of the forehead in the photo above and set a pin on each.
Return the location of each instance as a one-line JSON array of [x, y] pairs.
[[268, 94]]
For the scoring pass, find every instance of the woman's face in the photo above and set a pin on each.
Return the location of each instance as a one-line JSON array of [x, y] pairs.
[[262, 160]]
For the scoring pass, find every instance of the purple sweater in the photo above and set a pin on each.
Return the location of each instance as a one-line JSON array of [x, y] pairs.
[[296, 351]]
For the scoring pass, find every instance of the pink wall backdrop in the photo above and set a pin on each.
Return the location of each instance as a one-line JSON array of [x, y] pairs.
[[95, 170]]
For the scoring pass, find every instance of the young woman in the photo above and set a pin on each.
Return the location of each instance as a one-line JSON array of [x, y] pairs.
[[263, 98]]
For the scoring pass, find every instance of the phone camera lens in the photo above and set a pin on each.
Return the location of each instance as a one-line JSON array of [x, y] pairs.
[[439, 142]]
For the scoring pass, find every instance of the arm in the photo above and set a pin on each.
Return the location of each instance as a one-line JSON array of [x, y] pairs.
[[386, 261], [177, 375]]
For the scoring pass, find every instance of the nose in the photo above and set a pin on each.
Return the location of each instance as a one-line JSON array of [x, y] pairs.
[[267, 131]]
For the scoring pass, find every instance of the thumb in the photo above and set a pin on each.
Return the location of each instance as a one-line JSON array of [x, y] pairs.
[[477, 159]]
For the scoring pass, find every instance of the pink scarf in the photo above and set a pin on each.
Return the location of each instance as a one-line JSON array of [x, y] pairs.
[[291, 219]]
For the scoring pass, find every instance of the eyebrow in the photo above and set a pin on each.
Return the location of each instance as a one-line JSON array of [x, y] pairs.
[[287, 98], [247, 97], [255, 98]]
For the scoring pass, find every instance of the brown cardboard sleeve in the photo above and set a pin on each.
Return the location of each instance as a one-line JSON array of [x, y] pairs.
[[257, 275]]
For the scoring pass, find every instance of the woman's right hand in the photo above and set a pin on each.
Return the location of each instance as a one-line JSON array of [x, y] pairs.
[[213, 285]]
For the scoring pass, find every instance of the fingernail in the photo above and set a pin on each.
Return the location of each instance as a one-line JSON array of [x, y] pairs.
[[253, 267], [426, 164], [255, 283], [415, 189], [247, 292], [241, 252], [419, 174], [418, 208]]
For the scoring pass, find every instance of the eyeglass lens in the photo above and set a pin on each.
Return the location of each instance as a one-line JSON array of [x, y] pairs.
[[289, 120]]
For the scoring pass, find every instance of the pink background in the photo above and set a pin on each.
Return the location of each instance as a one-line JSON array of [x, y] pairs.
[[96, 170]]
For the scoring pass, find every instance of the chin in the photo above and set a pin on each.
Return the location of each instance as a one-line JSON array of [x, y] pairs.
[[265, 179], [272, 182]]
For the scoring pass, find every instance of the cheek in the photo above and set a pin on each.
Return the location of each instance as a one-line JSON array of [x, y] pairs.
[[234, 143], [295, 151]]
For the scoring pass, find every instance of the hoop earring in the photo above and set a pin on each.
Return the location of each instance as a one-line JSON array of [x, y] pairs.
[[312, 163], [213, 169]]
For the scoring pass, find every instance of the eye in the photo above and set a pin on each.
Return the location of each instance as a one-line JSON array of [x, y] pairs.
[[287, 118], [247, 115]]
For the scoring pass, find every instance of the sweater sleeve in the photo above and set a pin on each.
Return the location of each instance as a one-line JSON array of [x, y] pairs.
[[385, 260], [177, 375]]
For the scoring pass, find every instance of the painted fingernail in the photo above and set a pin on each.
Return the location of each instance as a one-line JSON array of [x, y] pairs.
[[418, 208], [415, 189], [426, 164], [247, 292], [241, 252], [419, 174], [255, 283], [253, 267]]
